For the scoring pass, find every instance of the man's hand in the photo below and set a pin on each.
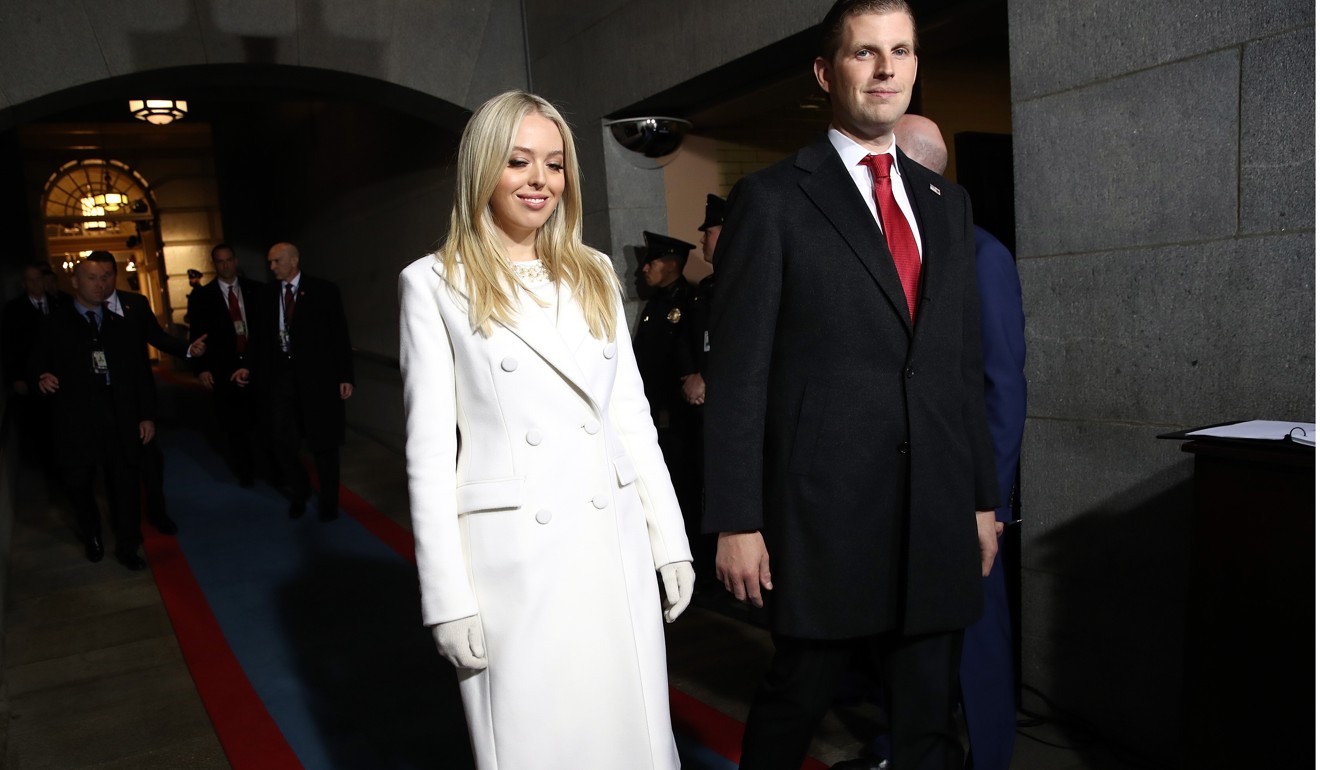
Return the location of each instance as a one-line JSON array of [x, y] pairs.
[[146, 431], [987, 532], [345, 390], [198, 347], [240, 377], [743, 565], [694, 389], [48, 383], [207, 379], [20, 387]]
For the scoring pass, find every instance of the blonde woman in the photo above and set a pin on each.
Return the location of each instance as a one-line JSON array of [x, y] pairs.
[[540, 503]]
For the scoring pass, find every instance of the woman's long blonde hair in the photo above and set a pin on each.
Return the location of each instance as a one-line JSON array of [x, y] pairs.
[[473, 240]]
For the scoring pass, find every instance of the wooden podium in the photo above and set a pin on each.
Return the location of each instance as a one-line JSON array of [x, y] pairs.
[[1250, 656]]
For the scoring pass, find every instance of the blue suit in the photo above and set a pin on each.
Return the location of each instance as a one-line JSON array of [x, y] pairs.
[[989, 698]]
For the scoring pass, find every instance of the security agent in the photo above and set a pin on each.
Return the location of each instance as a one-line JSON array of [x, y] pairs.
[[93, 367], [227, 312], [136, 309], [693, 357], [664, 359], [694, 384]]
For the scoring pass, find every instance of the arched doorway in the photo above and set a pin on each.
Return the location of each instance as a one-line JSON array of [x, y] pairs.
[[90, 205]]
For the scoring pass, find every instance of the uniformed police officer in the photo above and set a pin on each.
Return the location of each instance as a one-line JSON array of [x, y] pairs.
[[664, 358], [698, 328], [693, 360]]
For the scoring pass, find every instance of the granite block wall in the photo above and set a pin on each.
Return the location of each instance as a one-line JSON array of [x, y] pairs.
[[1165, 195]]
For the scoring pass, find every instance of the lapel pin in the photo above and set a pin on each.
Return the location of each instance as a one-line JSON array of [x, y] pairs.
[[936, 190]]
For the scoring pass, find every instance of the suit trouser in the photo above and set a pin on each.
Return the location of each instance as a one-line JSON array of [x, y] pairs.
[[920, 676], [122, 485], [233, 410], [153, 480], [287, 431], [988, 690]]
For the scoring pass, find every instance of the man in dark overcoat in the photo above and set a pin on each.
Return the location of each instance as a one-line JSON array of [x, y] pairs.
[[227, 312], [22, 320], [304, 368], [92, 365], [847, 451]]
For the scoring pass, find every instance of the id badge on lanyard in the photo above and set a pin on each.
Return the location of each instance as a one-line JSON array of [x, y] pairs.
[[240, 328], [99, 364]]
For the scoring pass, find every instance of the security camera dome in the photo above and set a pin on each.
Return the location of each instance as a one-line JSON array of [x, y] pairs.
[[653, 137]]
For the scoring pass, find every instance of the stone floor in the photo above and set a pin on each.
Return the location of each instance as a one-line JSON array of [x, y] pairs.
[[94, 678]]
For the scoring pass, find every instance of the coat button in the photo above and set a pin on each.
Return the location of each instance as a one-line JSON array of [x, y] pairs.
[[534, 437], [610, 350], [509, 364], [591, 427], [903, 448], [908, 372], [543, 516], [600, 501]]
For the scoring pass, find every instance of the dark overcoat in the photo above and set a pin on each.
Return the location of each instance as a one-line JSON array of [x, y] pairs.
[[64, 349], [855, 442], [321, 356]]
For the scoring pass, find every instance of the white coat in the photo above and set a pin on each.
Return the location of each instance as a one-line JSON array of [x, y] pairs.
[[541, 503]]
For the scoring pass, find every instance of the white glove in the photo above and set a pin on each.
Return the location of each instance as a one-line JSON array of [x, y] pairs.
[[460, 642], [678, 579]]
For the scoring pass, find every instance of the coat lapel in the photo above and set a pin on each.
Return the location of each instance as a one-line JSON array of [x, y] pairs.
[[534, 327], [831, 189]]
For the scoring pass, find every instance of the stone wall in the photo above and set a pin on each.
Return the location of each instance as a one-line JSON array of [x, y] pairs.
[[1164, 164]]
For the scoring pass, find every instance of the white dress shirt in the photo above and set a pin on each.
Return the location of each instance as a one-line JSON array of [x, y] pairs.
[[851, 153]]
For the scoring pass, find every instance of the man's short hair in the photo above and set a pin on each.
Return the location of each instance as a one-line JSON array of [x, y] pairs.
[[831, 28], [220, 246], [105, 258]]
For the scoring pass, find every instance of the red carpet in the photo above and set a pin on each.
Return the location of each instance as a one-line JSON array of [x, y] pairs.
[[246, 731], [250, 737]]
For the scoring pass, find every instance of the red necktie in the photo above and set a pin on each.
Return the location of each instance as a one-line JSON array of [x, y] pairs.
[[898, 234], [236, 315], [288, 305]]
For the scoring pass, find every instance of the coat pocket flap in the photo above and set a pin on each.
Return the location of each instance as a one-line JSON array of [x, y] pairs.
[[493, 495], [623, 468]]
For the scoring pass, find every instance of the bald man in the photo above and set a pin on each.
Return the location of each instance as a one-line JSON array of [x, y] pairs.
[[986, 671], [304, 370]]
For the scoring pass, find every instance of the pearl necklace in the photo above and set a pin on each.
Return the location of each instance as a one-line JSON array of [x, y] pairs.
[[531, 273]]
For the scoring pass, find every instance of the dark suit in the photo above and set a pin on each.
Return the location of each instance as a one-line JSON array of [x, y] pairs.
[[856, 443], [208, 311], [22, 323], [300, 387], [988, 692], [137, 311], [94, 423]]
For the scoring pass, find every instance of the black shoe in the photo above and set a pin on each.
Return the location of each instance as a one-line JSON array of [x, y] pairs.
[[95, 549], [246, 482], [297, 507], [163, 524], [131, 561], [327, 514], [861, 764]]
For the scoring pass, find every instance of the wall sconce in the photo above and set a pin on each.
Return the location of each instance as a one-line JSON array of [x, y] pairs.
[[158, 112]]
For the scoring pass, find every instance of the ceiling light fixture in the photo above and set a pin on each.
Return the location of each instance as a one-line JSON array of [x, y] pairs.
[[158, 112]]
